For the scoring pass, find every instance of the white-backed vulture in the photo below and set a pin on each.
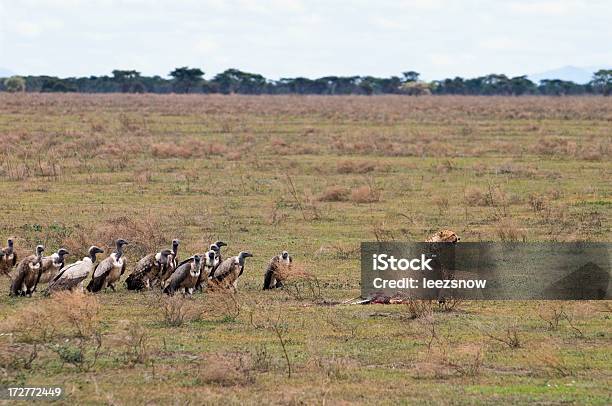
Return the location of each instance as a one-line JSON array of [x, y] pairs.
[[27, 274], [8, 258], [171, 265], [72, 276], [227, 273], [109, 270], [209, 265], [273, 277], [216, 248], [185, 277], [175, 257], [52, 264], [148, 269]]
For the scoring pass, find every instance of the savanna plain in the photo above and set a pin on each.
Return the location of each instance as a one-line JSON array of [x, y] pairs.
[[314, 176]]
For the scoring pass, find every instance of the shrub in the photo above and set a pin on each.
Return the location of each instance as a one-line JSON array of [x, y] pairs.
[[15, 84], [169, 150], [507, 231], [335, 194], [176, 311], [364, 194], [476, 197], [345, 167]]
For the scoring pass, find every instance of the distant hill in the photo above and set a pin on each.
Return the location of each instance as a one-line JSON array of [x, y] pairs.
[[573, 73]]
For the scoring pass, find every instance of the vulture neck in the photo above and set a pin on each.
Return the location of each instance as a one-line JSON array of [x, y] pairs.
[[174, 249], [92, 256], [119, 252]]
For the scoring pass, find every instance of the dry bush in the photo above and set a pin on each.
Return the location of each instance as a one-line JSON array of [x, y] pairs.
[[537, 202], [177, 310], [67, 325], [508, 336], [474, 196], [340, 251], [365, 194], [449, 303], [225, 370], [169, 150], [342, 326], [299, 283], [361, 167], [508, 231], [444, 358], [446, 166], [549, 358], [441, 203], [221, 304], [142, 176], [334, 194], [134, 341], [145, 234], [336, 368], [17, 357], [32, 324], [554, 315], [418, 308], [65, 314], [80, 312]]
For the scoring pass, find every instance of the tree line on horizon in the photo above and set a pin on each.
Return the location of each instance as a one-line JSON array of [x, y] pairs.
[[234, 81]]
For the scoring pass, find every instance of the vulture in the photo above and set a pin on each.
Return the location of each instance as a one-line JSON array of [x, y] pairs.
[[109, 270], [51, 265], [175, 245], [216, 248], [27, 274], [227, 272], [185, 276], [211, 261], [73, 275], [148, 269], [273, 277], [172, 264], [8, 258]]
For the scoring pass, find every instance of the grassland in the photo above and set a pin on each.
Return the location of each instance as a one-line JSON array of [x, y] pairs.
[[315, 176]]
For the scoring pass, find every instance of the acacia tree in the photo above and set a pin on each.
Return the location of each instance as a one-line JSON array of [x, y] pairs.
[[411, 76], [602, 81], [128, 79], [15, 84], [186, 78]]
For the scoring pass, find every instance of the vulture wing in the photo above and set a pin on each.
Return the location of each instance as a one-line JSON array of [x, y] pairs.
[[177, 278], [100, 273], [21, 272], [70, 276], [135, 280], [224, 269]]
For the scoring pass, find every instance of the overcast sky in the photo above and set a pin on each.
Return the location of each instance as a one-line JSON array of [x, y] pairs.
[[289, 38]]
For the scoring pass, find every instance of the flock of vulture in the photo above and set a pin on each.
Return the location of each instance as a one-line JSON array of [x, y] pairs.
[[160, 270]]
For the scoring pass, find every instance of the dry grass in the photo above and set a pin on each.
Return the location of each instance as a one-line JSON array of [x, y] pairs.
[[335, 194], [508, 231], [360, 167], [177, 310], [365, 194], [256, 168]]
